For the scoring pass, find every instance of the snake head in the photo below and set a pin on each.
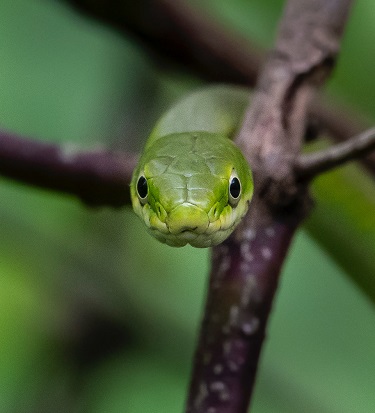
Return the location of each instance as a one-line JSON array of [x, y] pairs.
[[191, 188]]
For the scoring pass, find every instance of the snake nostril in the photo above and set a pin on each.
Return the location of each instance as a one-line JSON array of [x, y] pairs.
[[160, 212], [214, 212]]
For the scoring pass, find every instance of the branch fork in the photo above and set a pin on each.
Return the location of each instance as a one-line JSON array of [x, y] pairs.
[[311, 165]]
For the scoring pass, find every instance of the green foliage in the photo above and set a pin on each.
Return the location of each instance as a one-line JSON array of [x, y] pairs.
[[343, 222], [68, 79]]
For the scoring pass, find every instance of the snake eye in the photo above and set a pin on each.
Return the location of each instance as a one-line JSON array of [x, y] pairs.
[[234, 190], [142, 188]]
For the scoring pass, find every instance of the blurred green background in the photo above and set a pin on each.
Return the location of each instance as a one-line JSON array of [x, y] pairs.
[[95, 316]]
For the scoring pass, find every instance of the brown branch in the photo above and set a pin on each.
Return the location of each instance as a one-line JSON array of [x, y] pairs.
[[181, 35], [310, 165], [246, 267], [96, 177]]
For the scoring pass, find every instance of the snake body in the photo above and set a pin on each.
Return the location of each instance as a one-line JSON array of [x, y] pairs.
[[192, 185]]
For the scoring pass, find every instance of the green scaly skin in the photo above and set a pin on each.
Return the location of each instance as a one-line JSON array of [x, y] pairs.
[[189, 164]]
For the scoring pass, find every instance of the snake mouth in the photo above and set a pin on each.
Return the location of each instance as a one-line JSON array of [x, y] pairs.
[[187, 235], [187, 230]]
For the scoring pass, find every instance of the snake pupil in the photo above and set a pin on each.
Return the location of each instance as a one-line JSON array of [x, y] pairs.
[[235, 188], [142, 187]]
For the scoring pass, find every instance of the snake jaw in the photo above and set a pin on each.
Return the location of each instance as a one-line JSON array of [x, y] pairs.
[[190, 224]]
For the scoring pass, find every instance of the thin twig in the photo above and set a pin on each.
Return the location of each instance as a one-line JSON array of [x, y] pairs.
[[310, 165], [97, 177], [342, 123]]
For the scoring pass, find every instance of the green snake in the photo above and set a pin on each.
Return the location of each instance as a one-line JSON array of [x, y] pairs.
[[192, 185]]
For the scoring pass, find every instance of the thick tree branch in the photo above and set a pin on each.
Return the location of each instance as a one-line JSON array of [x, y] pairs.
[[97, 177], [310, 165], [246, 267]]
